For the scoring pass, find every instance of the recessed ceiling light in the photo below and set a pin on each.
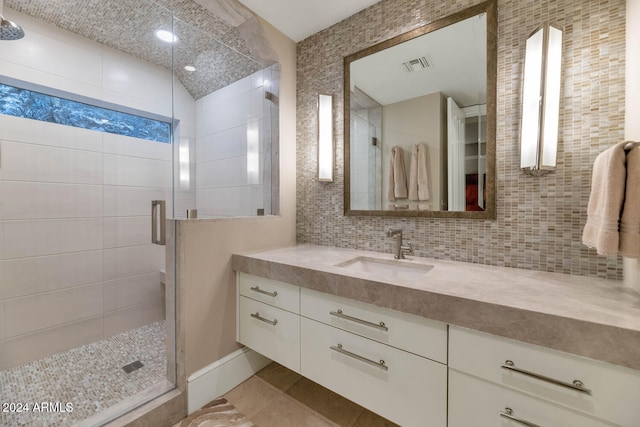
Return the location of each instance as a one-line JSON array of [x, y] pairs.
[[166, 36], [190, 68]]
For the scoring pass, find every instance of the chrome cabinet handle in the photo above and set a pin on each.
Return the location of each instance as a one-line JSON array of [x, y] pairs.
[[577, 385], [257, 289], [508, 413], [341, 350], [273, 322], [341, 315], [155, 204]]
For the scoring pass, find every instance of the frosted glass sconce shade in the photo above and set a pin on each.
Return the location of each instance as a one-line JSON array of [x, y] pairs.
[[541, 101], [325, 138]]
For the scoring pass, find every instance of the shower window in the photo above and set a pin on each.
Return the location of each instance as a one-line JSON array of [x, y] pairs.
[[30, 104]]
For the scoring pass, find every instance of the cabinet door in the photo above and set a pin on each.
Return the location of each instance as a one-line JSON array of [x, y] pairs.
[[476, 402], [402, 387], [272, 292], [613, 391], [270, 331], [414, 334]]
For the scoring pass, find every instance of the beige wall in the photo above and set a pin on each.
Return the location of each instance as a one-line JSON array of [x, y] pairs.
[[205, 280], [410, 122]]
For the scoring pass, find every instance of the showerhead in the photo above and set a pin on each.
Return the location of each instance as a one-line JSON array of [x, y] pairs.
[[9, 30]]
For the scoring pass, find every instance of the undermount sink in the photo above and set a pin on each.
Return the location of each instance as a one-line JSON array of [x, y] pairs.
[[390, 268]]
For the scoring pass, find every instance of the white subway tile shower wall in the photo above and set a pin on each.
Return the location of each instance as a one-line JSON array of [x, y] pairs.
[[539, 219], [229, 174], [76, 262]]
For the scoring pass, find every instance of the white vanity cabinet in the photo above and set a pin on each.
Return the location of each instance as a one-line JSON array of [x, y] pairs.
[[541, 386], [476, 402], [268, 319], [271, 292], [419, 372], [407, 332], [392, 363], [376, 357]]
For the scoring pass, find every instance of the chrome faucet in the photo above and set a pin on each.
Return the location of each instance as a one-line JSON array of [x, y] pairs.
[[400, 248]]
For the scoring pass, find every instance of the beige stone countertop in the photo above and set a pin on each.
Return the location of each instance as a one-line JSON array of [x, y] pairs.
[[587, 316]]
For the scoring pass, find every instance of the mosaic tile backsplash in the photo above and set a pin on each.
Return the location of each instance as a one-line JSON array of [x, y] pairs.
[[539, 219]]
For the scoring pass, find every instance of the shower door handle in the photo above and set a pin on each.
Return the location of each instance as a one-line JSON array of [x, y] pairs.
[[155, 204]]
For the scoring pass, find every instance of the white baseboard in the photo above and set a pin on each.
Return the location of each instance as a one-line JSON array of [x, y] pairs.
[[221, 376]]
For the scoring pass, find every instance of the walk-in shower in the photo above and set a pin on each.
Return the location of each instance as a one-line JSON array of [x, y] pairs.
[[99, 119]]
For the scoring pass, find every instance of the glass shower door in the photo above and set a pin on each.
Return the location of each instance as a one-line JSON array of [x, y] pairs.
[[86, 145]]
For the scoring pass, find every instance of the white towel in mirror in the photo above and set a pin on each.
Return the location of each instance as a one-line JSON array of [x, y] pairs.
[[418, 179], [397, 175]]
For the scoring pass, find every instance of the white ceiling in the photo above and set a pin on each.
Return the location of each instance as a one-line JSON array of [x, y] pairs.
[[457, 54], [298, 19]]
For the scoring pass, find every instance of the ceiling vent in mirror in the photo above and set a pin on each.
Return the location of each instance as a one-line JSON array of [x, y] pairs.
[[417, 64]]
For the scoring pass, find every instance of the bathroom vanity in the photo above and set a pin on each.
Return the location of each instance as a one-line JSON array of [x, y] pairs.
[[427, 342]]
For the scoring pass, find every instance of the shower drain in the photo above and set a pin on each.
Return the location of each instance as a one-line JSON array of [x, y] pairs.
[[133, 366]]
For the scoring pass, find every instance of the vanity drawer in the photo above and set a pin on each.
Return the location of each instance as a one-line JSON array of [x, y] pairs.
[[269, 291], [476, 402], [415, 334], [270, 331], [407, 389], [614, 390]]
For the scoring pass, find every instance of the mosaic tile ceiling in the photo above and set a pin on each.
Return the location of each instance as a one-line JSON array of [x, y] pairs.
[[216, 48]]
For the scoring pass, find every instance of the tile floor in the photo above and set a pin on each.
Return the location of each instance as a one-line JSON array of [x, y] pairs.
[[89, 377], [278, 397]]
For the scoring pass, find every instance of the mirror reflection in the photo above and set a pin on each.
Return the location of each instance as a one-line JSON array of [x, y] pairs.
[[418, 122]]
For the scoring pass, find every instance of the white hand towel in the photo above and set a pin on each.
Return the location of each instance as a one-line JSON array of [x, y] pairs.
[[605, 201], [397, 175], [630, 219], [418, 179], [413, 174]]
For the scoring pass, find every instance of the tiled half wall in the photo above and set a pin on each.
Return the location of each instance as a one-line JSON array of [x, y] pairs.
[[539, 219]]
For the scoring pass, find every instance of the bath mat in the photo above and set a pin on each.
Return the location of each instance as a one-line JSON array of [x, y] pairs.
[[218, 413]]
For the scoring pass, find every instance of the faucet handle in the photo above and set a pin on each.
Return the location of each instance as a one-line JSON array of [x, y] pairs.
[[407, 249], [394, 231]]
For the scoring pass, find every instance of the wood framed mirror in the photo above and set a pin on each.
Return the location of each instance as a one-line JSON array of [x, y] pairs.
[[420, 121]]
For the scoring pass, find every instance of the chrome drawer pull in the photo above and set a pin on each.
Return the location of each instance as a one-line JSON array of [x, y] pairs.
[[576, 385], [508, 413], [341, 350], [341, 315], [273, 322], [257, 289]]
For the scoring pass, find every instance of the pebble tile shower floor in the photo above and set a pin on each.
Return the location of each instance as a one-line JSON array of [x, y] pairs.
[[90, 378]]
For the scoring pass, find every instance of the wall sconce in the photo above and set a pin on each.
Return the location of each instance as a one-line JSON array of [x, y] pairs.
[[325, 138], [541, 101]]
